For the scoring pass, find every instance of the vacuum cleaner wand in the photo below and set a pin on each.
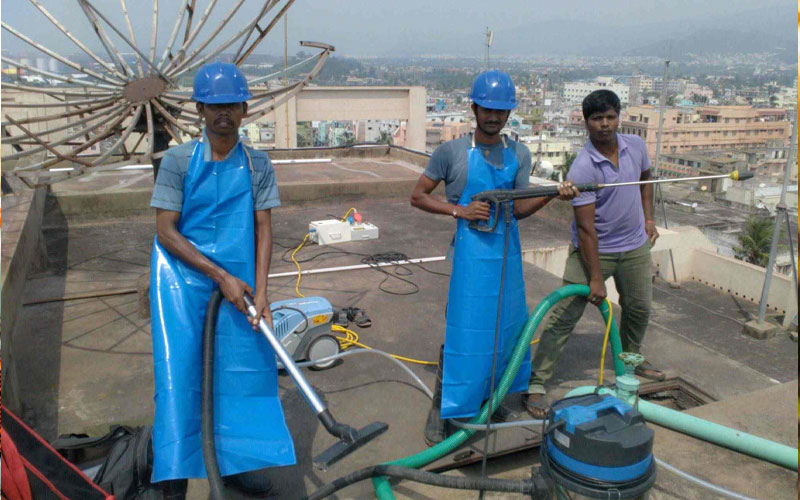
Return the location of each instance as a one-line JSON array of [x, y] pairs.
[[498, 196], [350, 439]]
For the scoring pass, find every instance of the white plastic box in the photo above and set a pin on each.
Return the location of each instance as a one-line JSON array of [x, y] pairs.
[[363, 231], [327, 232]]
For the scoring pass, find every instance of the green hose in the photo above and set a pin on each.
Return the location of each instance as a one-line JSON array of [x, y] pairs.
[[383, 489]]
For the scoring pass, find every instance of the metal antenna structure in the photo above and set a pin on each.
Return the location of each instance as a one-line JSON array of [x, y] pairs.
[[488, 42], [97, 117]]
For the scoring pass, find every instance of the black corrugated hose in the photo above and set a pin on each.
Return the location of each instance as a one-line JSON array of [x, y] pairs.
[[217, 490], [523, 486]]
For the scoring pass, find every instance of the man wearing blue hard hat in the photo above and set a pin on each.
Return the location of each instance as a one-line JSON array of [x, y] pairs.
[[213, 198], [484, 160]]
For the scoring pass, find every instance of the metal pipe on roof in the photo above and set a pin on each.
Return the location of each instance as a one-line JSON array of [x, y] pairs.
[[122, 139], [130, 44], [219, 49], [13, 139], [127, 17], [190, 36], [27, 170], [106, 118], [263, 33], [168, 48], [43, 118], [781, 212], [180, 67], [114, 86], [111, 50], [77, 42]]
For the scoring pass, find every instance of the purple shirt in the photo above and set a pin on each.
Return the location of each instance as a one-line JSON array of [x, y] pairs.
[[618, 215]]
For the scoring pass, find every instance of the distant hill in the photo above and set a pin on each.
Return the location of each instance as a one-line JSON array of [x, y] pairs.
[[717, 41], [764, 29]]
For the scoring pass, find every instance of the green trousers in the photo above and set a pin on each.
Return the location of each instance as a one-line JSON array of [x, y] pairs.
[[633, 277]]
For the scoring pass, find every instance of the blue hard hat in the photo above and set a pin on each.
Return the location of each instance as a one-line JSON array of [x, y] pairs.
[[220, 83], [494, 90]]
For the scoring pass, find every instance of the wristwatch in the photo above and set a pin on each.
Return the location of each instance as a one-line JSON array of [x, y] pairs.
[[455, 212]]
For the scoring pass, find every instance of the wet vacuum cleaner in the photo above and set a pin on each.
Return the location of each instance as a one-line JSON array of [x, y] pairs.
[[303, 327], [598, 446], [350, 439]]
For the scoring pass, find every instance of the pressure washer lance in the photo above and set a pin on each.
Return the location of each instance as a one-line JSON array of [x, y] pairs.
[[498, 196], [350, 439]]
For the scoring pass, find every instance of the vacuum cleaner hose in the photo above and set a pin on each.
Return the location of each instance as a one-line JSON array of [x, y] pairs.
[[217, 489], [523, 486]]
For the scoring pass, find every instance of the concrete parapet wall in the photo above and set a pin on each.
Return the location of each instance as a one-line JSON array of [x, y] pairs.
[[744, 280], [683, 241], [21, 248], [299, 191], [695, 259]]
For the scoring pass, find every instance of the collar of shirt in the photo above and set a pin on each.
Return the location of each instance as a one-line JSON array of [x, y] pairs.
[[207, 147], [597, 156]]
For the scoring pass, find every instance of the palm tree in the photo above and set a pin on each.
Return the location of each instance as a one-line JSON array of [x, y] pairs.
[[755, 241]]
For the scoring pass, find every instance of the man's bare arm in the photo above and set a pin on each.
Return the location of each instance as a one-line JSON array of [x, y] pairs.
[[587, 241], [422, 198], [647, 208]]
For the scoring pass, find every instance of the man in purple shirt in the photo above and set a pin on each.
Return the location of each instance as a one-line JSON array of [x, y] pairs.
[[612, 235]]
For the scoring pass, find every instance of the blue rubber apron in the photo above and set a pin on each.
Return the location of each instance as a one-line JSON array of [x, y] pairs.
[[474, 293], [218, 219]]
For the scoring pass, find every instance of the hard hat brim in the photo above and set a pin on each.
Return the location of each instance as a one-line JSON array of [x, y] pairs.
[[489, 104], [223, 98]]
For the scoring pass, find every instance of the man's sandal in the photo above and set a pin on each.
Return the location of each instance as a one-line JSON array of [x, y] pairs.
[[648, 371], [537, 408]]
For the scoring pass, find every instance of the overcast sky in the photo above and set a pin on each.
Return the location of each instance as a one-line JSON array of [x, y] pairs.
[[409, 27]]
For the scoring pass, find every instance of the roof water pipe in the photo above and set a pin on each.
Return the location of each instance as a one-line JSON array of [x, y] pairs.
[[748, 444]]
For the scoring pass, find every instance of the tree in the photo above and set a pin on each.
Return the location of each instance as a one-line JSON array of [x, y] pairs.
[[386, 138], [755, 241], [773, 100]]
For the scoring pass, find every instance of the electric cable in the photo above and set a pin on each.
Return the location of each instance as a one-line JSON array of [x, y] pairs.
[[387, 355], [495, 426], [523, 486], [351, 339], [297, 264], [389, 257], [605, 341], [704, 484], [301, 245]]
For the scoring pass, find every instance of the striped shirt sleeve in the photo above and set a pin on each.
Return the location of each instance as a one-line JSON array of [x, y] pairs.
[[168, 190]]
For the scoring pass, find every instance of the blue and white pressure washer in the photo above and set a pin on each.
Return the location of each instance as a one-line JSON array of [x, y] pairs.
[[303, 327]]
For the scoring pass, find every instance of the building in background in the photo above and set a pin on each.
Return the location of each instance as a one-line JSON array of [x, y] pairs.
[[547, 148], [712, 127], [575, 92]]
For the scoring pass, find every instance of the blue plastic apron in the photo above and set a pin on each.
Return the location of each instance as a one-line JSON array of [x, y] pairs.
[[217, 218], [473, 297]]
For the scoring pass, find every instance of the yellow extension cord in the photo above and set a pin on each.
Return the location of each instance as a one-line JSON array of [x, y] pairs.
[[351, 338], [605, 341]]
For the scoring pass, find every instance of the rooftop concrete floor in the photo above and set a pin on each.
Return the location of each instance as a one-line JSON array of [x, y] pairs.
[[353, 170], [87, 363]]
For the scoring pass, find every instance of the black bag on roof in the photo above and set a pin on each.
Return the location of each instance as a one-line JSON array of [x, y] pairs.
[[124, 456]]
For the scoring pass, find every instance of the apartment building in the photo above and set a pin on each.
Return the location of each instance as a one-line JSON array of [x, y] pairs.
[[575, 92], [709, 127]]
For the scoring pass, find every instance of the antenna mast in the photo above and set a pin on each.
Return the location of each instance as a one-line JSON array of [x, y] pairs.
[[489, 36]]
